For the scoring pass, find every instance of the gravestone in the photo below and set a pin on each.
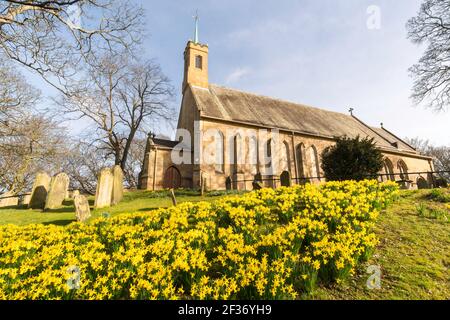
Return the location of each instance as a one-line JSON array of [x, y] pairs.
[[105, 184], [285, 179], [257, 185], [25, 200], [82, 209], [40, 190], [117, 192], [422, 183], [58, 191], [75, 193], [228, 183], [8, 199]]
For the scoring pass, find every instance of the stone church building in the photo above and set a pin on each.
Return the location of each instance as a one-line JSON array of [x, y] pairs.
[[302, 133]]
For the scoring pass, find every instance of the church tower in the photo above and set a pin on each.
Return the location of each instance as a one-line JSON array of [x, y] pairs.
[[195, 62]]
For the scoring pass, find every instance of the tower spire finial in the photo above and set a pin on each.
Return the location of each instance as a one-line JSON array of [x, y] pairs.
[[196, 27]]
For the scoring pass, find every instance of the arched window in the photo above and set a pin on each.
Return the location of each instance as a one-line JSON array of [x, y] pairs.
[[301, 162], [252, 156], [199, 62], [403, 170], [220, 152], [314, 160], [236, 154], [285, 159], [389, 170], [268, 155]]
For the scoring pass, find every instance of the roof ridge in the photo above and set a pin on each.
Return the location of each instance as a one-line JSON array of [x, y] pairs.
[[280, 100], [371, 129], [400, 139]]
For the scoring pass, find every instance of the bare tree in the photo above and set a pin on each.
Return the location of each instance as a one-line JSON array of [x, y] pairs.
[[441, 155], [16, 96], [122, 99], [28, 142], [432, 72], [54, 38], [82, 165], [36, 144], [135, 162]]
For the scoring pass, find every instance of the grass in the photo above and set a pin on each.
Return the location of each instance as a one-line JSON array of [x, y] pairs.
[[138, 201], [413, 254]]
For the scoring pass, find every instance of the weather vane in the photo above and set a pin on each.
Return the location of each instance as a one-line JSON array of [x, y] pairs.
[[196, 17]]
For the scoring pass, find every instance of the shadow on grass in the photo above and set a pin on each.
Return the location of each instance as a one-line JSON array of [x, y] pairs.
[[60, 223], [61, 210], [150, 209], [10, 208]]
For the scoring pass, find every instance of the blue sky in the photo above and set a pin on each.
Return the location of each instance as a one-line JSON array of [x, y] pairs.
[[315, 52]]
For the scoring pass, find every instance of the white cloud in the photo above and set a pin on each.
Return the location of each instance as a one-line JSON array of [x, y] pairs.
[[237, 75]]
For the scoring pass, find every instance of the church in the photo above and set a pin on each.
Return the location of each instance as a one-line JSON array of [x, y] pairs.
[[243, 136]]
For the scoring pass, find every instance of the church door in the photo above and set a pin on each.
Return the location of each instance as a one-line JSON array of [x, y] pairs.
[[172, 179]]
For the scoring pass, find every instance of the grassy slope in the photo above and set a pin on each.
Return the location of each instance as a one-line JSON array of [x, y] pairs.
[[139, 201], [414, 256], [414, 252]]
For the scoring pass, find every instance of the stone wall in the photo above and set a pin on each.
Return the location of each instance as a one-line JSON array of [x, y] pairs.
[[288, 147]]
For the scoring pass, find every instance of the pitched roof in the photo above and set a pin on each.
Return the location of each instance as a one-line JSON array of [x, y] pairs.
[[233, 105], [165, 143]]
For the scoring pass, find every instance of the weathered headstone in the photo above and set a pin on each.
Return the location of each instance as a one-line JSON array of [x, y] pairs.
[[58, 191], [83, 212], [117, 192], [228, 183], [25, 200], [285, 179], [75, 193], [40, 190], [422, 183], [257, 185], [8, 199], [105, 184]]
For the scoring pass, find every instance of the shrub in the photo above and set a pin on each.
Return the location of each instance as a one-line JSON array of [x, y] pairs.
[[352, 159], [267, 244], [440, 195]]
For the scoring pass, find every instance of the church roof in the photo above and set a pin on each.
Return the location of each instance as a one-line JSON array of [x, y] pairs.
[[237, 106], [165, 143]]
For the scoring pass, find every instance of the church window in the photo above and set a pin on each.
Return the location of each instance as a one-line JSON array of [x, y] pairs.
[[220, 151], [401, 165], [301, 162], [236, 164], [253, 154], [285, 159], [314, 158], [199, 62]]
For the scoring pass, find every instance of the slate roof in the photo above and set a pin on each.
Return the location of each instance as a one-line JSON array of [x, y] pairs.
[[165, 143], [237, 106]]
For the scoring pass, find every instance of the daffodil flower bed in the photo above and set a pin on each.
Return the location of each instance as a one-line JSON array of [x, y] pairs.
[[267, 244]]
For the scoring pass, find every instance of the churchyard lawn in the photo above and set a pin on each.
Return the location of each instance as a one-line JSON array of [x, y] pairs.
[[413, 254], [133, 202]]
